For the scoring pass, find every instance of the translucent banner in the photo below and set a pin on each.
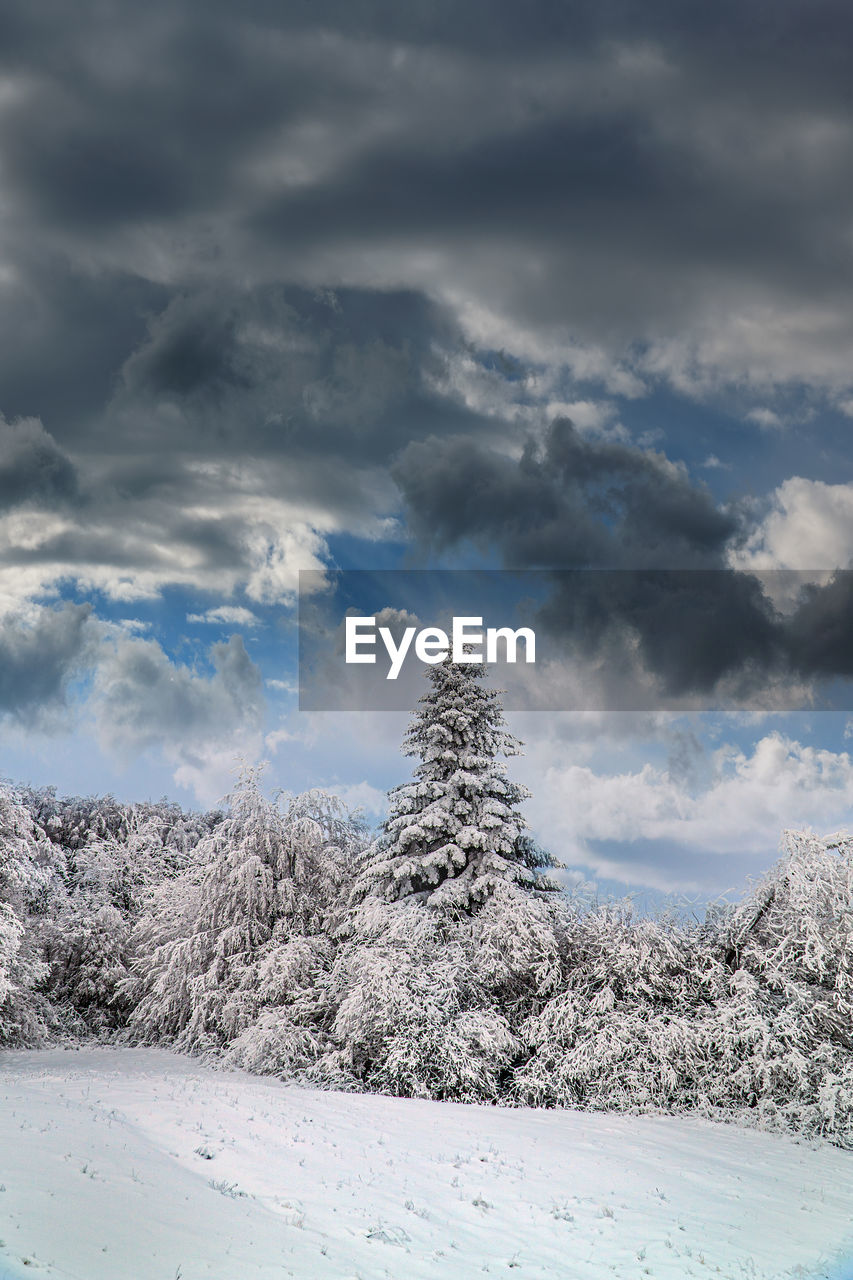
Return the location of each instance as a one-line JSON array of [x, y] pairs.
[[581, 639]]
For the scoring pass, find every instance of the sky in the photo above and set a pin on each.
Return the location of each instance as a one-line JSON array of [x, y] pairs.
[[377, 286]]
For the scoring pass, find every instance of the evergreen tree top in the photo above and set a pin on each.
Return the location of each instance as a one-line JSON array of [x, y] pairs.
[[459, 713], [455, 832]]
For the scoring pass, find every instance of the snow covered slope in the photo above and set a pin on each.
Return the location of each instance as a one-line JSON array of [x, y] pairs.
[[140, 1165]]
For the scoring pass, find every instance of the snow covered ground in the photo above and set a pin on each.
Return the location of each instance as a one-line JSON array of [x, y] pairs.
[[123, 1164]]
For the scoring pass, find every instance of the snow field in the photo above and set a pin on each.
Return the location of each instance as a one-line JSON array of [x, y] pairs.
[[128, 1164]]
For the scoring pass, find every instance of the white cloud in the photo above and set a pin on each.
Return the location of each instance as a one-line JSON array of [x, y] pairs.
[[490, 326], [756, 347], [361, 795], [527, 397], [212, 770], [282, 686], [212, 527], [809, 526], [199, 723], [765, 418], [227, 614], [750, 798], [591, 417]]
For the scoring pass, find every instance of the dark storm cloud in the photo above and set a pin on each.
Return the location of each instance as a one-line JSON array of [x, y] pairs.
[[241, 248], [641, 219], [576, 503], [692, 629], [199, 355], [667, 598], [287, 373], [64, 333], [821, 628], [756, 33], [145, 116], [614, 171], [568, 501], [240, 421], [38, 656], [33, 469], [586, 134]]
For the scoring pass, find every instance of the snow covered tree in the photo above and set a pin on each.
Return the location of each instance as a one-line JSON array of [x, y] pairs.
[[112, 856], [11, 930], [626, 1029], [230, 955], [27, 883], [455, 832], [449, 944], [408, 1014], [747, 1015], [789, 947]]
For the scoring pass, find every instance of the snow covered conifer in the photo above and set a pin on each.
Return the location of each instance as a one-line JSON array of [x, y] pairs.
[[455, 831]]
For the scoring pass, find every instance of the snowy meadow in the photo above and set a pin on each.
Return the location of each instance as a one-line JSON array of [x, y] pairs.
[[143, 1164]]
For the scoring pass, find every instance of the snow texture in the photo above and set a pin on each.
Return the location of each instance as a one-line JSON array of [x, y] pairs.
[[136, 1164]]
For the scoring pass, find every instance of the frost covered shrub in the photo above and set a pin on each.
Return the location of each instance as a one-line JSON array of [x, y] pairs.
[[545, 1002], [409, 1018], [624, 1029], [247, 931], [86, 956], [519, 948], [785, 1031], [425, 1002], [796, 928], [112, 856], [73, 822], [651, 1016], [765, 1057], [747, 1016], [27, 876], [11, 930]]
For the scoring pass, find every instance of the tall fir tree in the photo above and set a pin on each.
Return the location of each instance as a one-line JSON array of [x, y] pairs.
[[455, 833]]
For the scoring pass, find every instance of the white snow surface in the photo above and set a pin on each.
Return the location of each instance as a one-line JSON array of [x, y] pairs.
[[132, 1164]]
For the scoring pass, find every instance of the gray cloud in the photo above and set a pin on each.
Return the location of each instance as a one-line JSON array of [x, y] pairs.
[[141, 699], [40, 651], [610, 174], [289, 372], [245, 253], [145, 116], [65, 332], [245, 427], [566, 502], [33, 469], [668, 599], [571, 503]]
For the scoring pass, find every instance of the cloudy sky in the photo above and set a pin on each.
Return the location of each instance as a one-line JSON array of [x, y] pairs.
[[375, 285]]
